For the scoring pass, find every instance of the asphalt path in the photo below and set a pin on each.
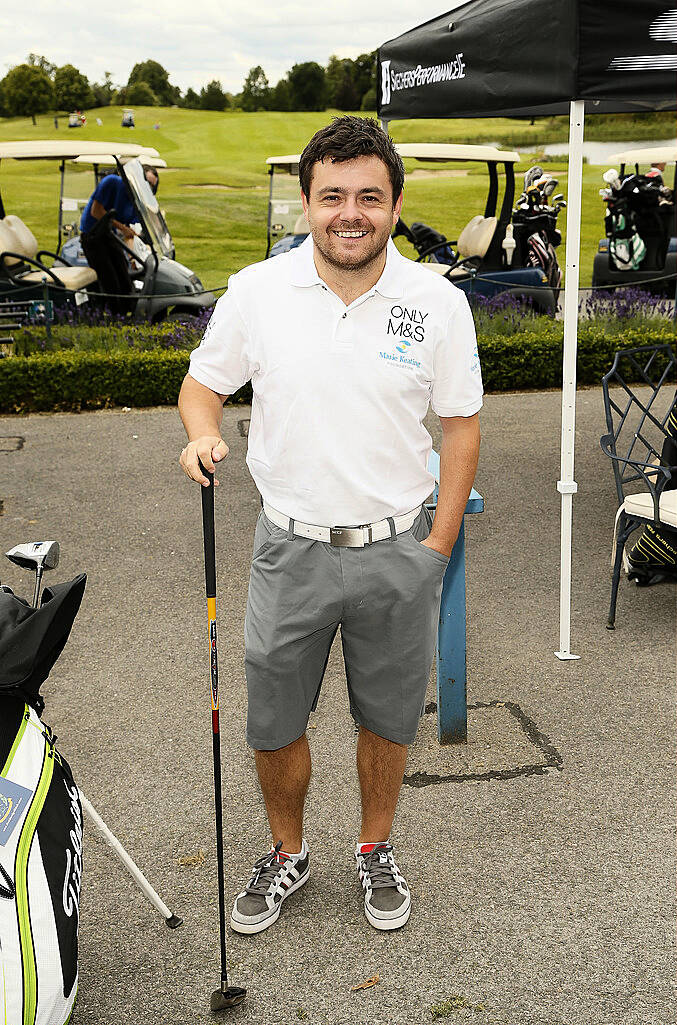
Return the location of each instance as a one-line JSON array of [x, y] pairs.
[[540, 896]]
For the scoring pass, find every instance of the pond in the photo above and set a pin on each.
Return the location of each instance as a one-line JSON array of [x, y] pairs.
[[599, 152]]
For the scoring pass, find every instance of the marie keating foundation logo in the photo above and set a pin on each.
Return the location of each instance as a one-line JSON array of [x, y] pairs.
[[408, 326], [413, 78]]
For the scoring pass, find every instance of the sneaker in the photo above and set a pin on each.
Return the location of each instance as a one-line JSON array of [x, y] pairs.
[[274, 877], [387, 902]]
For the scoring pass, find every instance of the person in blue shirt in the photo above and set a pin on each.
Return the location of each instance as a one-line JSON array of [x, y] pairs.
[[103, 254]]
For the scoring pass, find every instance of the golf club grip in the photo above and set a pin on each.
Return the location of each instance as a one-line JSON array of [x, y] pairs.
[[208, 531]]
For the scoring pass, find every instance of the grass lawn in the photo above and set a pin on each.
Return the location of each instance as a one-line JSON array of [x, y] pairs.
[[219, 230]]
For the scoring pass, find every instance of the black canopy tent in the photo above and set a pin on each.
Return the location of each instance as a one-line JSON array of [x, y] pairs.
[[519, 58]]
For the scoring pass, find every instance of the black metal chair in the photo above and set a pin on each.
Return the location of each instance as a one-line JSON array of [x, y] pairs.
[[639, 435]]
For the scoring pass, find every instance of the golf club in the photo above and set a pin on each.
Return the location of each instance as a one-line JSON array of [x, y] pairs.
[[226, 996], [38, 556]]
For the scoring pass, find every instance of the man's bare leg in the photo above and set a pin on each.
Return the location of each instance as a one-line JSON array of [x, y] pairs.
[[284, 776], [380, 766]]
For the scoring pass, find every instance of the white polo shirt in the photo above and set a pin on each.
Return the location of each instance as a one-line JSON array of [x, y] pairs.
[[340, 392]]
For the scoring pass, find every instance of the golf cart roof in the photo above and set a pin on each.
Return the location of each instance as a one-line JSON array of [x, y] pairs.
[[290, 162], [430, 151], [434, 151], [146, 158], [647, 155], [55, 149]]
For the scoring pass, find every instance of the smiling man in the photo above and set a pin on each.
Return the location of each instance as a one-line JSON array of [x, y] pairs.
[[346, 344]]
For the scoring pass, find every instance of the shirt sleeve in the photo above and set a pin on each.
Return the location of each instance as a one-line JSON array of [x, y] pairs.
[[457, 377], [222, 361]]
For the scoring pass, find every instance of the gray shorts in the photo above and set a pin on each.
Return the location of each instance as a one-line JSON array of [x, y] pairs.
[[386, 599]]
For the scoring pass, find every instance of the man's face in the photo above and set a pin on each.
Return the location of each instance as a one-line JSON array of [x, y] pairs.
[[152, 180], [350, 210]]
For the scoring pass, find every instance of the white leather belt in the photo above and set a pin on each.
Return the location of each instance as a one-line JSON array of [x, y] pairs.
[[344, 537]]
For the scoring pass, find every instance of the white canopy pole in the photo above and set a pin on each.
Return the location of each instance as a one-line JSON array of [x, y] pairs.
[[566, 485]]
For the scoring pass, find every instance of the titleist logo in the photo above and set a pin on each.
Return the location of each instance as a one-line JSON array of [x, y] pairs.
[[73, 877]]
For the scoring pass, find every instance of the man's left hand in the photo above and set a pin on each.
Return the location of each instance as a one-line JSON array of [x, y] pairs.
[[440, 545]]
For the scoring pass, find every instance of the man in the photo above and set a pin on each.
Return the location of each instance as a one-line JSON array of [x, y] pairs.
[[345, 342], [103, 254]]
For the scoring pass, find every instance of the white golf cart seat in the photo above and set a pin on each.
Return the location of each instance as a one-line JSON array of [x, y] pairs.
[[17, 237], [473, 241], [476, 237]]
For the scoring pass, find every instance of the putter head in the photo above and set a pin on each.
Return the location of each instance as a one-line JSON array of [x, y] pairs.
[[225, 997], [35, 555]]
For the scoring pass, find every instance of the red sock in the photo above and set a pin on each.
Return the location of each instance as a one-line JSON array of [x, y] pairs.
[[367, 848]]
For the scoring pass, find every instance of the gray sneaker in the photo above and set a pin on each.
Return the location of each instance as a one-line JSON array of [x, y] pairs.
[[273, 878], [387, 902]]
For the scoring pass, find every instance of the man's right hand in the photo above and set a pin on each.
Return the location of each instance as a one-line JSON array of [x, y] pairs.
[[210, 449]]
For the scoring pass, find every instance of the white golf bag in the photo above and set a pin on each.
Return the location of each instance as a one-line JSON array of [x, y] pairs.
[[40, 820]]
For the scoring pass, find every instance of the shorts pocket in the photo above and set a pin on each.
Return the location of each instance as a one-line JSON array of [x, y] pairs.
[[265, 534], [432, 553]]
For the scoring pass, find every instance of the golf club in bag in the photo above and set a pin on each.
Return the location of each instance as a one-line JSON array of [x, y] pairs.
[[638, 220], [534, 221], [225, 996]]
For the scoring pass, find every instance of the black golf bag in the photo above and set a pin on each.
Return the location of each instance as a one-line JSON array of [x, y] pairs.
[[536, 237], [40, 818], [638, 224], [427, 241], [653, 558]]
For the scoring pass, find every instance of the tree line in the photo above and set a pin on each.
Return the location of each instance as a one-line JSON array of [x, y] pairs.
[[38, 86]]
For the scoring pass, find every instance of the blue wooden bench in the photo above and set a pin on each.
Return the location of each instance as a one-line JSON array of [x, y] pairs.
[[452, 708]]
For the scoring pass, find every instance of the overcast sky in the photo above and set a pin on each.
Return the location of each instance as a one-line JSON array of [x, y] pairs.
[[198, 40]]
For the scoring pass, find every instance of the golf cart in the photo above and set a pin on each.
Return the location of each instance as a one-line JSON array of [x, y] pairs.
[[287, 224], [69, 230], [641, 243], [160, 285], [491, 254]]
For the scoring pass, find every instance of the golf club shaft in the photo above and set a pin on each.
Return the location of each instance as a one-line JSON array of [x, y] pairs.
[[38, 580], [210, 586]]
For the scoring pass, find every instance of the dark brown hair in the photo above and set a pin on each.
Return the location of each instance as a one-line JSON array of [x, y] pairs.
[[347, 138]]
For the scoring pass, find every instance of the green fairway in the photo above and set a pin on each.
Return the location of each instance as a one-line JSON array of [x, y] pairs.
[[218, 230]]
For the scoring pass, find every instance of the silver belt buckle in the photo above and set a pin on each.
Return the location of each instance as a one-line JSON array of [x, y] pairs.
[[347, 537]]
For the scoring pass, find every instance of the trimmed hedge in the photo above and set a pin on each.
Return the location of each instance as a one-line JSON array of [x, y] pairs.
[[533, 360], [71, 381]]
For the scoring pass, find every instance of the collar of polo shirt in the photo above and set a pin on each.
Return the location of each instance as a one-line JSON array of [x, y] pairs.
[[389, 285]]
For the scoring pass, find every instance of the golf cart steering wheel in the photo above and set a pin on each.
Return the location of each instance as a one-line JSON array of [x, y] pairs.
[[106, 225], [451, 266], [432, 248], [129, 252], [16, 280]]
